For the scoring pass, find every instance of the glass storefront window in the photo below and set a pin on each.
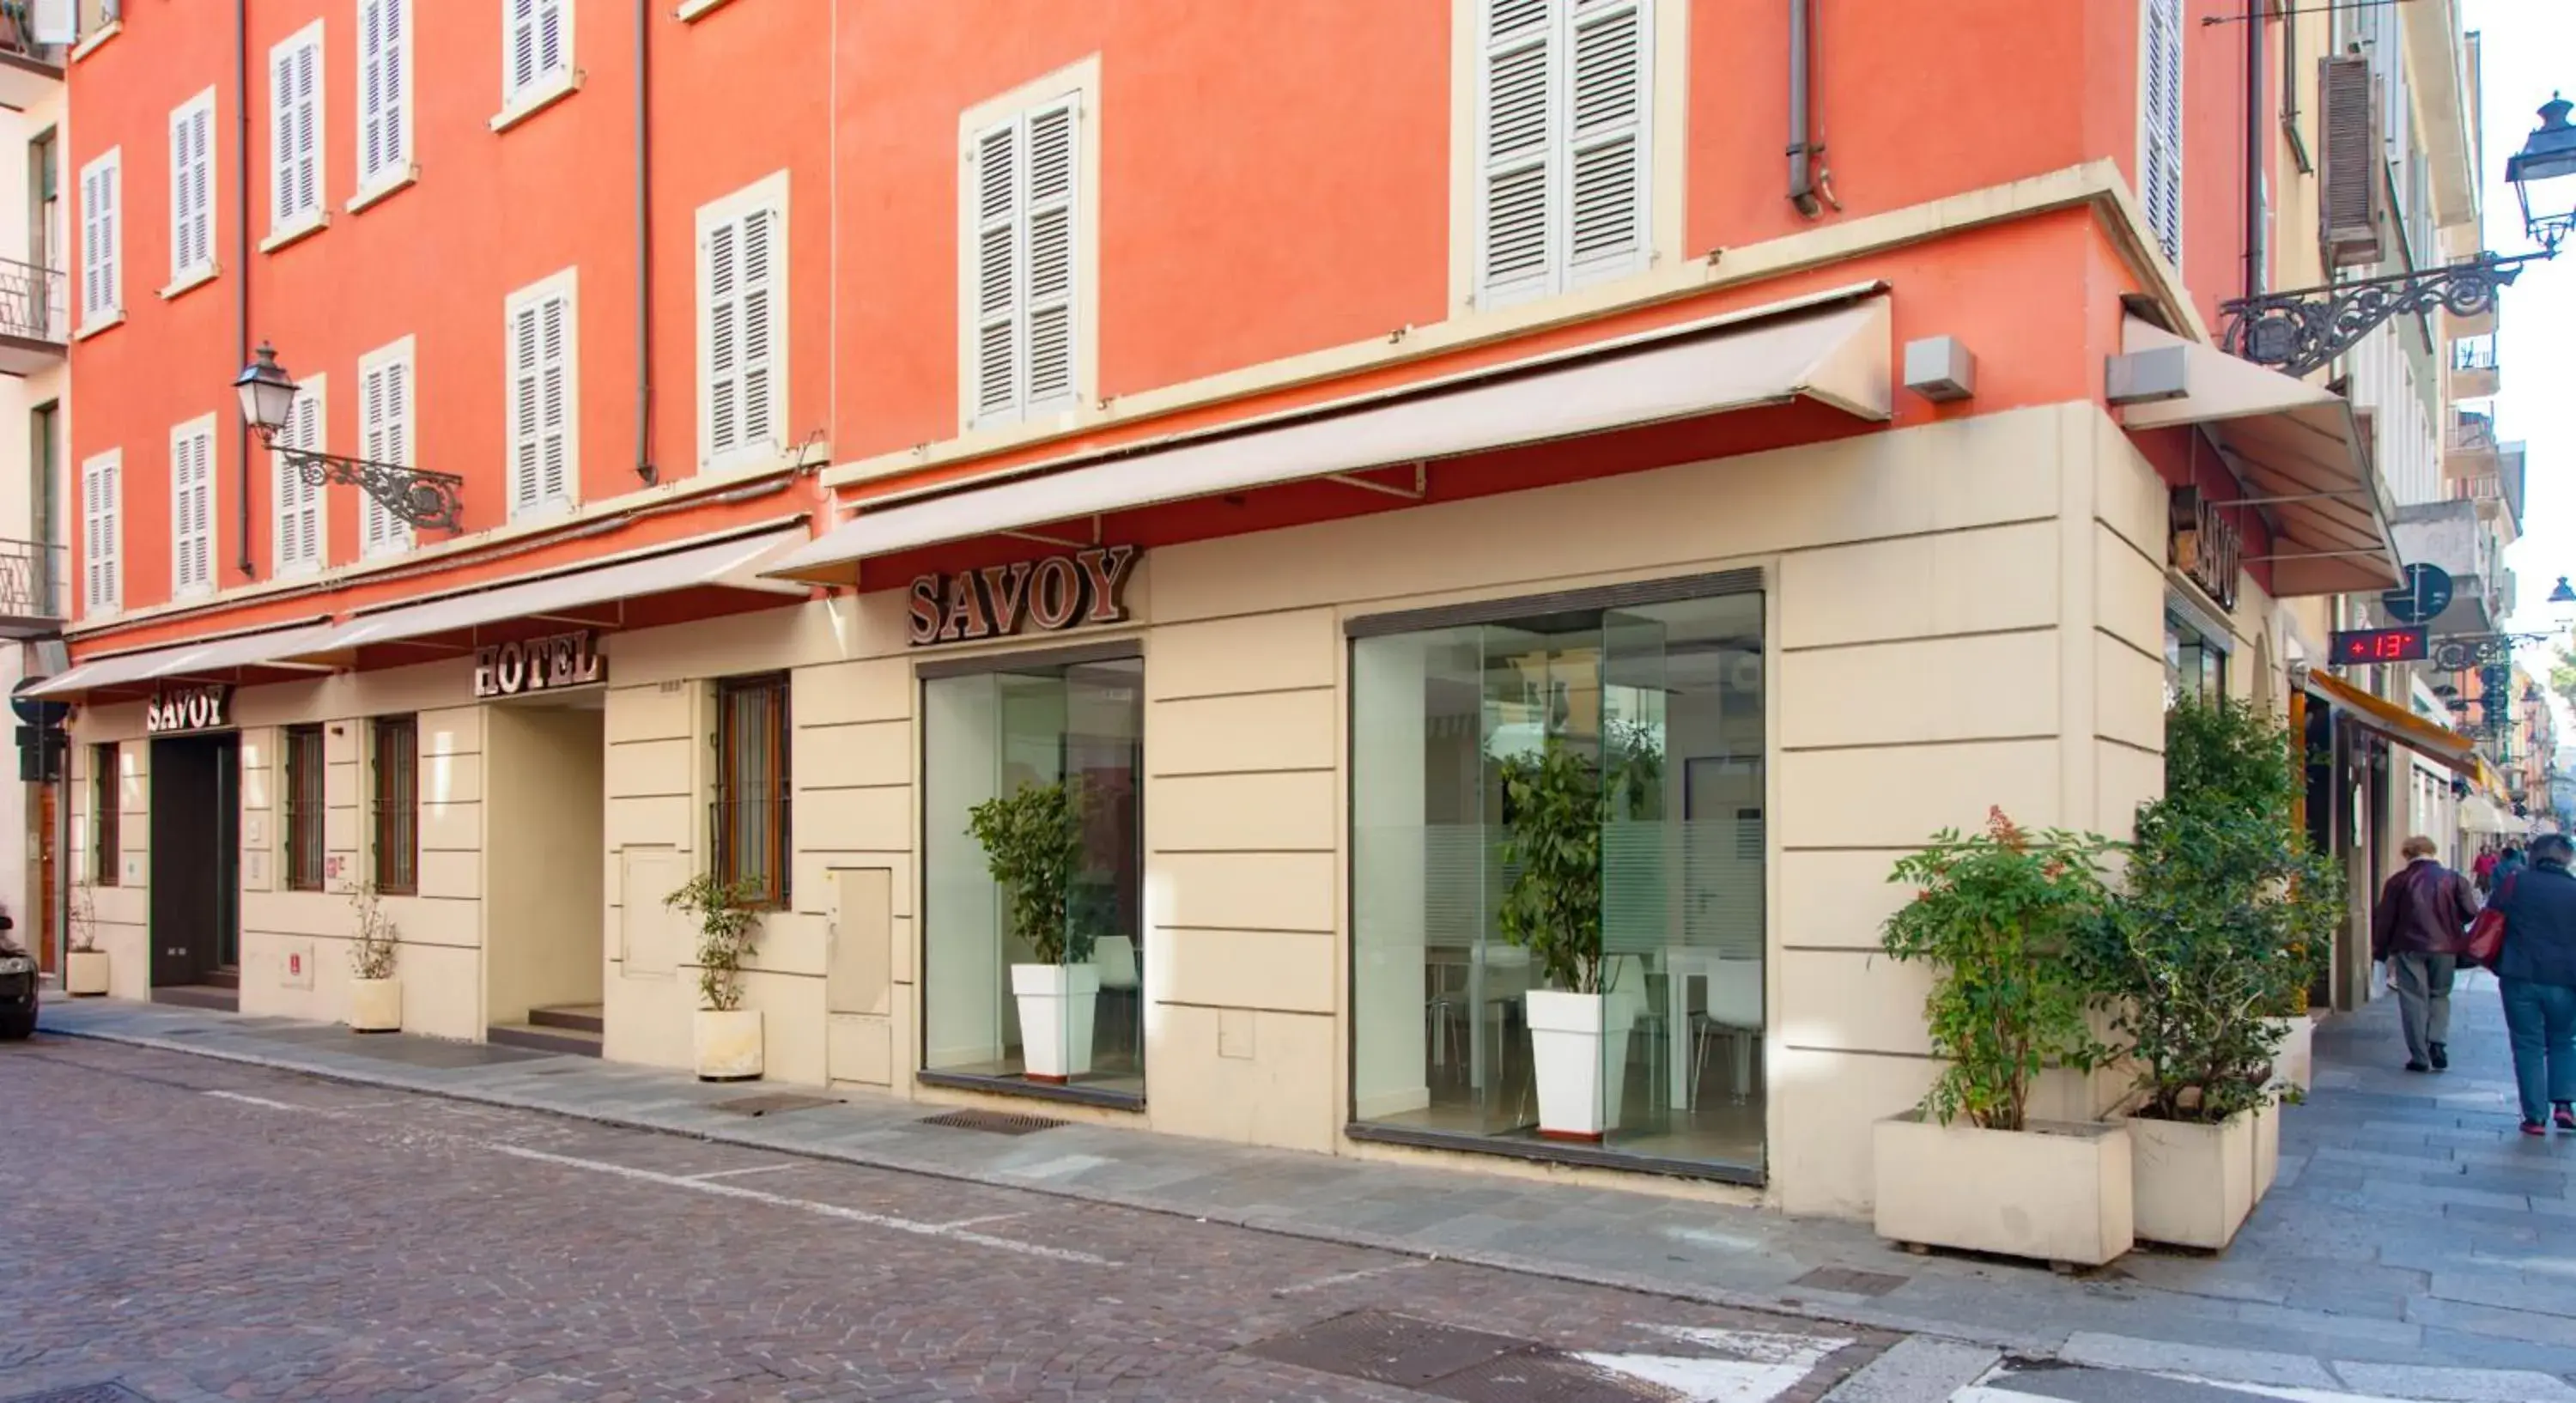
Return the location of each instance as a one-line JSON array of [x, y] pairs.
[[1064, 745], [2194, 667], [1672, 694]]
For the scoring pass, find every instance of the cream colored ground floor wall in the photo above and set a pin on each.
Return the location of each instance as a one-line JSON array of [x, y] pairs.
[[1959, 617]]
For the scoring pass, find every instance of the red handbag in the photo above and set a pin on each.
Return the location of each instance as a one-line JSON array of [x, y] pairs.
[[2486, 933]]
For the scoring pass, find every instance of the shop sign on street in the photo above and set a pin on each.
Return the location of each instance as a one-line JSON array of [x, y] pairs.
[[2204, 545], [546, 664], [1044, 596], [206, 707]]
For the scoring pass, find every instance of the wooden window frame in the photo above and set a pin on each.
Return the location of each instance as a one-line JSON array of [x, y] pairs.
[[307, 826], [395, 803], [776, 883], [106, 813]]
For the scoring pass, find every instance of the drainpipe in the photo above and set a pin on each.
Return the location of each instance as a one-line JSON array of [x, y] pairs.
[[241, 272], [644, 468], [1802, 163], [2256, 235]]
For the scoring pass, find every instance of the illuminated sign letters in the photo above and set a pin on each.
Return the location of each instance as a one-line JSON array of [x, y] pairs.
[[202, 708], [1044, 596]]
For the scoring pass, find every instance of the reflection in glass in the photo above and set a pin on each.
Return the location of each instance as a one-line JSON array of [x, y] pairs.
[[1441, 1011], [991, 1006]]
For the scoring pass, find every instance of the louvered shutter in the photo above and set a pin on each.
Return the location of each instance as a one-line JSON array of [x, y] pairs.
[[554, 401], [521, 55], [2348, 168], [299, 503], [1606, 230], [997, 271], [192, 511], [523, 408], [384, 436], [99, 501], [382, 59], [743, 322], [1054, 144], [99, 194], [295, 175], [550, 35], [1517, 135], [2161, 115]]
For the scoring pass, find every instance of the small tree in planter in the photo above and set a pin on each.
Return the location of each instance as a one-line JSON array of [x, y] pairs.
[[2000, 915], [1558, 802], [85, 966], [726, 1037], [1032, 842], [2205, 957], [375, 996]]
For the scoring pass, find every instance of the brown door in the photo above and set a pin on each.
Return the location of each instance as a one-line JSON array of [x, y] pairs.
[[41, 901]]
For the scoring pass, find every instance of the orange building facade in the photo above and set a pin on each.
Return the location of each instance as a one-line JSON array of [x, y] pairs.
[[866, 416]]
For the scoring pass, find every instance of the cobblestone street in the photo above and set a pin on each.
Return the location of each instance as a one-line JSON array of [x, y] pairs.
[[199, 1229]]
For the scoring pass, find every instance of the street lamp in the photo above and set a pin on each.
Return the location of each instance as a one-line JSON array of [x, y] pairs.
[[2549, 154], [414, 496]]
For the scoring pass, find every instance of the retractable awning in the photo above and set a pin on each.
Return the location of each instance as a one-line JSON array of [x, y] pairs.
[[209, 660], [729, 564], [2429, 739], [2300, 453], [1834, 351]]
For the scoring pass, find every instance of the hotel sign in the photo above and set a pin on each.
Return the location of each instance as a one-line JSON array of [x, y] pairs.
[[208, 707], [1043, 596], [546, 664], [2204, 545]]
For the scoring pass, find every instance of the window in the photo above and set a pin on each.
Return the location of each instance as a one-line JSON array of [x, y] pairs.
[[299, 544], [192, 507], [295, 148], [385, 419], [1659, 684], [106, 817], [397, 805], [2195, 662], [1024, 270], [192, 190], [2161, 118], [44, 454], [304, 794], [384, 92], [49, 244], [536, 54], [102, 537], [742, 325], [544, 391], [102, 198], [752, 786], [1564, 106], [1063, 730]]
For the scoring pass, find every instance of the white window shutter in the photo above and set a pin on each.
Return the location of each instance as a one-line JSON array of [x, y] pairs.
[[554, 400], [99, 196], [723, 337], [383, 61], [281, 146], [1517, 138], [299, 503], [192, 512], [2161, 115], [523, 408], [761, 322], [997, 271], [100, 537], [521, 50], [1607, 176], [1054, 165], [307, 167], [550, 35]]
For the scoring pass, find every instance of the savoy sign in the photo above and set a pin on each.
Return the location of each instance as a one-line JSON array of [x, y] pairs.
[[208, 707], [1044, 596]]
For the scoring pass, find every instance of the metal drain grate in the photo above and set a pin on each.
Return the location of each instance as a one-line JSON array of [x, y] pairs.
[[1544, 1376], [774, 1103], [1850, 1281], [84, 1393], [1385, 1348], [994, 1122]]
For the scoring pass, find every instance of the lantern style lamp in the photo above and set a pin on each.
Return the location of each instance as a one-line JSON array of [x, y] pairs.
[[268, 393], [2547, 159]]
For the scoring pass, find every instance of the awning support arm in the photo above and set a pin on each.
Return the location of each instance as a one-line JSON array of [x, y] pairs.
[[1046, 540], [1421, 484]]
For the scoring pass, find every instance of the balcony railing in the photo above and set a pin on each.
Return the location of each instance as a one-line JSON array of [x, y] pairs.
[[2478, 354], [35, 595], [35, 303]]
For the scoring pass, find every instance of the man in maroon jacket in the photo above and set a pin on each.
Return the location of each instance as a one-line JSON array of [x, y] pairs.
[[2418, 927]]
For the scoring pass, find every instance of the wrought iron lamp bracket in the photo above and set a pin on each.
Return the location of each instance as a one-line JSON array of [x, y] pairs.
[[415, 496], [2301, 331]]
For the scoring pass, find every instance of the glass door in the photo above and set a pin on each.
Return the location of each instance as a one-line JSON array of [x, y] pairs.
[[1641, 1023]]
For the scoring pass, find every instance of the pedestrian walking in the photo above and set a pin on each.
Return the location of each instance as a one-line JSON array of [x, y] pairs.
[[2484, 868], [2537, 969], [2508, 862], [2423, 911]]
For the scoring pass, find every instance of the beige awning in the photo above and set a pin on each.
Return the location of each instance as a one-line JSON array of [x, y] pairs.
[[2301, 455], [730, 564], [208, 660], [1835, 351]]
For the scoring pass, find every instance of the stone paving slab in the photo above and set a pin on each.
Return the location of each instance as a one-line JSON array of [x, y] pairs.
[[2382, 1245]]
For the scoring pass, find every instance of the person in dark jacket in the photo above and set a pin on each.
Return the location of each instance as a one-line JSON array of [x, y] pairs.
[[2510, 862], [2422, 915], [2537, 968]]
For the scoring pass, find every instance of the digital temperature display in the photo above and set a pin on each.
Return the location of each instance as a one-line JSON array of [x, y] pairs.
[[2383, 645]]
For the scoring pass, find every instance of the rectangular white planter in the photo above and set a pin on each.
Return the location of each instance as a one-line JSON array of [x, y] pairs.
[[85, 973], [2195, 1183], [1056, 1005], [2058, 1192], [375, 1005], [727, 1045], [1578, 1092], [2295, 1064]]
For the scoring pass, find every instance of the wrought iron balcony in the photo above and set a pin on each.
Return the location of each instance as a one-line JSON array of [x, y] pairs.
[[35, 317], [2474, 373], [2469, 448], [35, 594]]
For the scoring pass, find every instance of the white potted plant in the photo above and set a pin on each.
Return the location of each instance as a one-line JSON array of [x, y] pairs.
[[84, 964], [2217, 930], [375, 995], [724, 1036], [1032, 842], [1557, 802], [1998, 915]]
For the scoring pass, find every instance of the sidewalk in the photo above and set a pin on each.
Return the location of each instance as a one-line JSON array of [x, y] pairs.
[[2411, 1227]]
